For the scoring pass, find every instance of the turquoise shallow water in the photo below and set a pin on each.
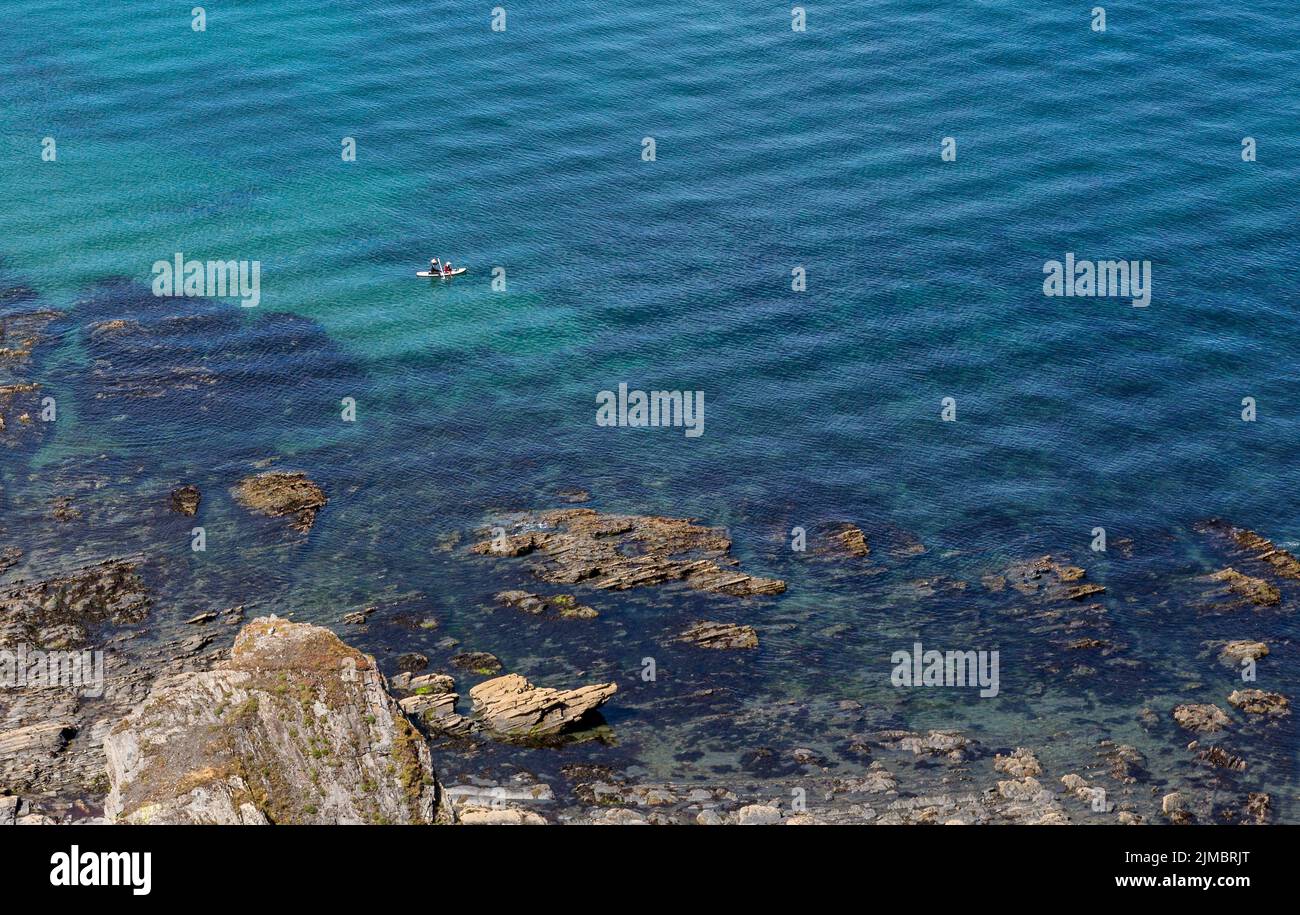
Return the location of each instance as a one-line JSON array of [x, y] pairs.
[[774, 149]]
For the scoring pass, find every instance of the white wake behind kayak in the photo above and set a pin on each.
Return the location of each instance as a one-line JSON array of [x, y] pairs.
[[430, 274]]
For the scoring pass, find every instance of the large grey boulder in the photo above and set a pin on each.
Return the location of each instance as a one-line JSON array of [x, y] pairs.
[[296, 727]]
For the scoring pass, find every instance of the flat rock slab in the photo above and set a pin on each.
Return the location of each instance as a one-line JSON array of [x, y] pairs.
[[721, 636], [512, 706], [617, 552]]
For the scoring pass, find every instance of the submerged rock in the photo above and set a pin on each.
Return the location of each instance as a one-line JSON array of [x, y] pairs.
[[279, 493], [1264, 550], [1127, 764], [1255, 590], [163, 366], [1070, 629], [1220, 758], [57, 612], [1201, 718], [411, 661], [480, 662], [1043, 577], [1240, 650], [618, 552], [21, 334], [950, 744], [512, 706], [720, 636], [185, 500], [523, 600], [566, 606], [1257, 808], [1020, 763], [296, 727], [850, 539], [1259, 702]]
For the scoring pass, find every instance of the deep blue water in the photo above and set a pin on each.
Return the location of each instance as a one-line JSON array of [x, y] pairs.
[[774, 149]]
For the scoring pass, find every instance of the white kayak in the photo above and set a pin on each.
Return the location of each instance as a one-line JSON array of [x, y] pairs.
[[445, 273]]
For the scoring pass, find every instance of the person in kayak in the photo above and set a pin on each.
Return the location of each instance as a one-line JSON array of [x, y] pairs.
[[446, 268], [434, 266]]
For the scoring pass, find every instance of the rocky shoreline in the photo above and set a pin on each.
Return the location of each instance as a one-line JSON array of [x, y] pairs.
[[272, 721], [218, 713]]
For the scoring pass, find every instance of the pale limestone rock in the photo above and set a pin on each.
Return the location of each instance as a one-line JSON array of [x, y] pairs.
[[1018, 764], [499, 816], [511, 705], [758, 815]]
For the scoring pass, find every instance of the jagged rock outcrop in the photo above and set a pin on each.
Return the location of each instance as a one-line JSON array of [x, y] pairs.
[[1051, 580], [1019, 763], [185, 500], [1255, 547], [21, 333], [278, 493], [1202, 718], [1253, 590], [51, 732], [1219, 758], [1125, 763], [512, 706], [849, 539], [1264, 550], [56, 613], [432, 701], [296, 727], [1259, 702], [720, 636], [617, 552]]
